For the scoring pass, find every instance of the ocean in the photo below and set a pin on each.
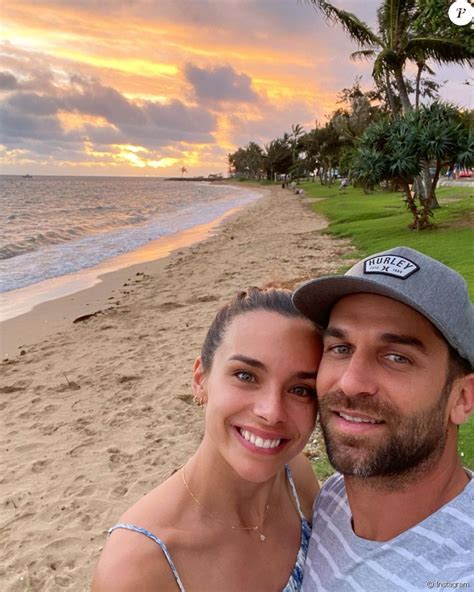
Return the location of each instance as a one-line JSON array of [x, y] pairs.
[[54, 226]]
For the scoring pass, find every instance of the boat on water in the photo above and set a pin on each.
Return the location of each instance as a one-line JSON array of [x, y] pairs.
[[27, 176]]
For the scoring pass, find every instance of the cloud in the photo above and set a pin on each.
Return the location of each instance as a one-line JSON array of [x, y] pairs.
[[31, 116], [221, 83], [8, 81]]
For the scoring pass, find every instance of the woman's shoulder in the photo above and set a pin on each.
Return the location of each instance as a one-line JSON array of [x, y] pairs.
[[136, 555], [306, 483], [131, 561]]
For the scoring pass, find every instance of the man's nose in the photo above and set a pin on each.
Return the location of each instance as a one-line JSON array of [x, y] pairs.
[[358, 376]]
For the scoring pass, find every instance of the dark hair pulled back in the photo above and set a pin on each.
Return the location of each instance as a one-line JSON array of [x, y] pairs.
[[270, 299]]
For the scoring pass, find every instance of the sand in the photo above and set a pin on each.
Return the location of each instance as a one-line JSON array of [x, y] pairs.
[[98, 412]]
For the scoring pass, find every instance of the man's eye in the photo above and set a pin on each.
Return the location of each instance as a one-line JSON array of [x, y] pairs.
[[398, 359], [340, 350], [303, 391], [244, 376]]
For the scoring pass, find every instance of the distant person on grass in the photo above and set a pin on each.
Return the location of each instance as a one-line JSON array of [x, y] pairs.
[[395, 383], [236, 516]]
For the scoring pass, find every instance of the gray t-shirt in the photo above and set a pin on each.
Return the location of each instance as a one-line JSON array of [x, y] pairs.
[[436, 554]]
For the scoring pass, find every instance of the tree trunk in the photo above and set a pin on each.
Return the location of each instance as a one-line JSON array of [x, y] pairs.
[[402, 89], [411, 205], [432, 200], [390, 97], [417, 85]]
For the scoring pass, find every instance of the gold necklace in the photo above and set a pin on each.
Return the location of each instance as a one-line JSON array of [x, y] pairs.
[[256, 528]]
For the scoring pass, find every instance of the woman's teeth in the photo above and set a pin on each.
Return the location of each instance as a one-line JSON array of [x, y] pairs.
[[257, 441], [359, 419]]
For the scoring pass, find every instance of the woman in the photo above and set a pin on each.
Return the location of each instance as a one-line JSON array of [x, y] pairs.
[[236, 515]]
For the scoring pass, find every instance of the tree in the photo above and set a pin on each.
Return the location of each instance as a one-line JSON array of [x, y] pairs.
[[247, 161], [278, 157], [296, 132], [183, 170], [400, 38], [396, 150]]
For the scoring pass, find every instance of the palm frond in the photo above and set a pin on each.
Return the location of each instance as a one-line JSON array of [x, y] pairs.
[[440, 49], [363, 54], [358, 30]]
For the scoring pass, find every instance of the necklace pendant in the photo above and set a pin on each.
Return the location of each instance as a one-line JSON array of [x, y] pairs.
[[262, 537]]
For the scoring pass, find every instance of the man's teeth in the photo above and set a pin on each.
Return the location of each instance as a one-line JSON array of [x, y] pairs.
[[358, 419], [257, 441]]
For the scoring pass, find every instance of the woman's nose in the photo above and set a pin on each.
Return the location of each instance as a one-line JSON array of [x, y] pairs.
[[270, 405]]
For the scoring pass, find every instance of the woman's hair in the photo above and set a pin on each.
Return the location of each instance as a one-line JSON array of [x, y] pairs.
[[269, 299]]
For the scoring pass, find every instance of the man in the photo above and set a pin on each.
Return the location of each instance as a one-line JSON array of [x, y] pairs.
[[396, 380]]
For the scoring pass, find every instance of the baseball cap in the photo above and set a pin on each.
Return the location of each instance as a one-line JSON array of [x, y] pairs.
[[433, 289]]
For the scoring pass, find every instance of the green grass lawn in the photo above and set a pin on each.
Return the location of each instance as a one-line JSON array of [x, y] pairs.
[[379, 221]]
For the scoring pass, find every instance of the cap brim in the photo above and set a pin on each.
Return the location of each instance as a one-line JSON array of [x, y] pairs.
[[316, 298]]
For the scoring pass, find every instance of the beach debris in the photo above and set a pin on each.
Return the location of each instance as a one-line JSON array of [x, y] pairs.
[[128, 378], [73, 386], [86, 316], [188, 399], [11, 389]]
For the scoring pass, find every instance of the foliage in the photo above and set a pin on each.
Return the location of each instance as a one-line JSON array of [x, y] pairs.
[[397, 150], [278, 157], [248, 161], [406, 33]]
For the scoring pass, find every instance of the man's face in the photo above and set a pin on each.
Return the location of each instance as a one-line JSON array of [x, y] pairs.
[[382, 387]]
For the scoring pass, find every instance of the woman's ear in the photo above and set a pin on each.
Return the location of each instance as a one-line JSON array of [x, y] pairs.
[[199, 383], [463, 402]]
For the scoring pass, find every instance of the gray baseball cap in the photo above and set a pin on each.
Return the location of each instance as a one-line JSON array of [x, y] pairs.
[[436, 291]]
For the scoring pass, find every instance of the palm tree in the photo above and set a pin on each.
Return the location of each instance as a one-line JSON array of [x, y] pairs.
[[399, 39], [183, 170], [296, 132]]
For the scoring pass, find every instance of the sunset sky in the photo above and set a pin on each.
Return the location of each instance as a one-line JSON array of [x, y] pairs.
[[144, 87]]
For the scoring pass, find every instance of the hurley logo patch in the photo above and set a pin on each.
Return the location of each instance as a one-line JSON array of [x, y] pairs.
[[391, 265]]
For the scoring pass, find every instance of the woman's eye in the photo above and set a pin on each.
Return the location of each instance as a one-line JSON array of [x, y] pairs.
[[303, 391], [244, 376]]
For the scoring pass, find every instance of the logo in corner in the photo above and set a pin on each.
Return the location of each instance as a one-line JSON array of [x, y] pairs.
[[392, 265], [461, 12]]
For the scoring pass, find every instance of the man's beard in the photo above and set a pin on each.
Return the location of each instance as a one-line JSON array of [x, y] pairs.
[[407, 443]]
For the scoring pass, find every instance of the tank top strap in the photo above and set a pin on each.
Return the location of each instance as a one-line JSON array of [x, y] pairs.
[[156, 540], [294, 492]]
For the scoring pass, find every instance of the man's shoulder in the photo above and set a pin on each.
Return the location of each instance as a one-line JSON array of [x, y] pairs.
[[334, 483]]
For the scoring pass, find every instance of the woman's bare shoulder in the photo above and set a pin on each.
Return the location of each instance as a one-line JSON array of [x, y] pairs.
[[131, 561], [306, 483]]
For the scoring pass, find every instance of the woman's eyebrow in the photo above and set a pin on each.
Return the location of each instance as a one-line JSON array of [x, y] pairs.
[[256, 364], [247, 360]]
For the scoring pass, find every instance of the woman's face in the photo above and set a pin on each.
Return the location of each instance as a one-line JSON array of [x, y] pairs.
[[260, 392]]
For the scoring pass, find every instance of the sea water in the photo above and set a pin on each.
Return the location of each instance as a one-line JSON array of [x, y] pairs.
[[54, 226]]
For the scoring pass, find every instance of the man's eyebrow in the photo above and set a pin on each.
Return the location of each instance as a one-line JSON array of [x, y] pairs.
[[247, 360], [334, 332], [404, 340], [385, 338]]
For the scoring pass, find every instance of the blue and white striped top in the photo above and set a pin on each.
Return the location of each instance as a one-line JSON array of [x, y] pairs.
[[436, 553], [296, 577]]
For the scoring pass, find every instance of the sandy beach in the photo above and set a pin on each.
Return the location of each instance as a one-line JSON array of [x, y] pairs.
[[97, 412]]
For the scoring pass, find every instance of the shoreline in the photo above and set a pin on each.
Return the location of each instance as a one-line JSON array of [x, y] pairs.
[[100, 412], [48, 307]]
